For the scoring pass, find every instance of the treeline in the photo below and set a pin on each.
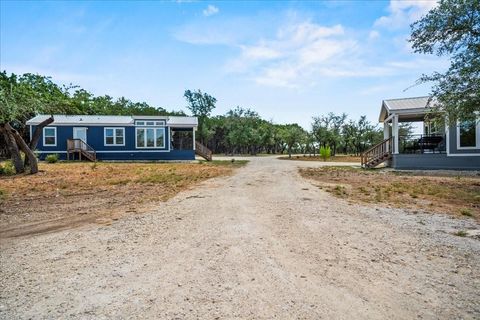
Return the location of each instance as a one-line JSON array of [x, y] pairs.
[[240, 130], [244, 131]]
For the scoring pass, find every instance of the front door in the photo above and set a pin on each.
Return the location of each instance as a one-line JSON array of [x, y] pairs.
[[80, 133]]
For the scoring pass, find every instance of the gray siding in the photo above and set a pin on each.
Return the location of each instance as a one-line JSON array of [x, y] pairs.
[[435, 162], [452, 140]]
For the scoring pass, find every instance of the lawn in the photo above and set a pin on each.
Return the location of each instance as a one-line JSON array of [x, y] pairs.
[[77, 192], [433, 192], [337, 158]]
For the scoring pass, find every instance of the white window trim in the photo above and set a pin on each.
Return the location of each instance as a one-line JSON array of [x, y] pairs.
[[156, 123], [154, 137], [114, 137], [50, 145], [477, 137]]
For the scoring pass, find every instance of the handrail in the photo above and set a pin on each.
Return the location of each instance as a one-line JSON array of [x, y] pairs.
[[203, 151], [82, 146], [377, 151]]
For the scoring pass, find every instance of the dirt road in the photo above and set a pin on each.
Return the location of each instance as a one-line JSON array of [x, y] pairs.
[[261, 244]]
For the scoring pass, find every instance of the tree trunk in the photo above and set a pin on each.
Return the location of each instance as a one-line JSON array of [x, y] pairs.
[[36, 136], [24, 147], [13, 148]]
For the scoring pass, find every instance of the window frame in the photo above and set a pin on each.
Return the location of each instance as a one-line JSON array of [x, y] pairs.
[[115, 144], [44, 136], [477, 136], [150, 123], [154, 128]]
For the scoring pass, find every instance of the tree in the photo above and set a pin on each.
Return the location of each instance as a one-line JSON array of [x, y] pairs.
[[201, 105], [21, 97], [452, 29], [293, 134]]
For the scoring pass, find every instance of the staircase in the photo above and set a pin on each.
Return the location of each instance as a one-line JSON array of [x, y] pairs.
[[378, 154], [81, 148], [203, 151]]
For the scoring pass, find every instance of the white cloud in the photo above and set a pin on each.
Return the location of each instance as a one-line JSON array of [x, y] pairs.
[[403, 12], [298, 53], [210, 10], [373, 35]]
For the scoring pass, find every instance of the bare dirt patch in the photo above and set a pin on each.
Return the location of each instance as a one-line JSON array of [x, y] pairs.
[[337, 158], [262, 243], [456, 195], [66, 195]]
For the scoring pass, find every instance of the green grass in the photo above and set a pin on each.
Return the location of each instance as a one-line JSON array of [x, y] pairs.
[[461, 233], [466, 212]]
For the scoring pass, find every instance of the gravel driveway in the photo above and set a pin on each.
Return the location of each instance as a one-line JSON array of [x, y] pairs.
[[261, 244]]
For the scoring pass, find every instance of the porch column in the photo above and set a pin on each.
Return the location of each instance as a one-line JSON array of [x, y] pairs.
[[386, 130], [395, 133], [194, 129]]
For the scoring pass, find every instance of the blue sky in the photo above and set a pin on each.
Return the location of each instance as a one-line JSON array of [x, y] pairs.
[[288, 60]]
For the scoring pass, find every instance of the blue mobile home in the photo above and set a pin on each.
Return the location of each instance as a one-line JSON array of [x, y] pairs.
[[117, 137], [441, 145]]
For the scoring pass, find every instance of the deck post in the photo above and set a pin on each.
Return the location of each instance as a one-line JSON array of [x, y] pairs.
[[386, 130], [193, 138], [395, 133]]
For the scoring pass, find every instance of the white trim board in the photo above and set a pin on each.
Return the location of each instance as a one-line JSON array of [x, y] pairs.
[[463, 155], [116, 151]]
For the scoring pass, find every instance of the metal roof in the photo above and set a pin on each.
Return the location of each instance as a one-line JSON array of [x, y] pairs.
[[404, 105], [111, 120]]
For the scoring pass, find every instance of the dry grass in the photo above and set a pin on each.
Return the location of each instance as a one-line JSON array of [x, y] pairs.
[[337, 158], [69, 190], [459, 196]]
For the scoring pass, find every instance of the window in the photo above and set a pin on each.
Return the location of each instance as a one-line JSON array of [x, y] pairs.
[[50, 136], [155, 123], [150, 137], [468, 134], [114, 136]]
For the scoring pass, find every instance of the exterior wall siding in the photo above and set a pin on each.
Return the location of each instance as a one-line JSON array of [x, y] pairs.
[[435, 162], [95, 138], [452, 141]]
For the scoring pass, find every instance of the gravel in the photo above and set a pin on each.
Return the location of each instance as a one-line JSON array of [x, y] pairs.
[[261, 244]]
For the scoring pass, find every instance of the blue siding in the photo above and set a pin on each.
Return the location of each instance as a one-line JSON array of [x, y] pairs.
[[95, 138], [435, 161]]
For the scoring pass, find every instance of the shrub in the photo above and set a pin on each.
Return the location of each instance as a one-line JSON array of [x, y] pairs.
[[51, 158], [7, 169], [325, 153], [466, 212], [461, 233]]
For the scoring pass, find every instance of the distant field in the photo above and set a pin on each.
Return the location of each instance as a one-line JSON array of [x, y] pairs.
[[337, 158], [71, 193], [456, 195]]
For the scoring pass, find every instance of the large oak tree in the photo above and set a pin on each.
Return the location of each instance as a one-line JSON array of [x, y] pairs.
[[452, 29]]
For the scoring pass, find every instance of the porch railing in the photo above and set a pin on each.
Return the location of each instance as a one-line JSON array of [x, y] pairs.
[[80, 146], [422, 143]]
